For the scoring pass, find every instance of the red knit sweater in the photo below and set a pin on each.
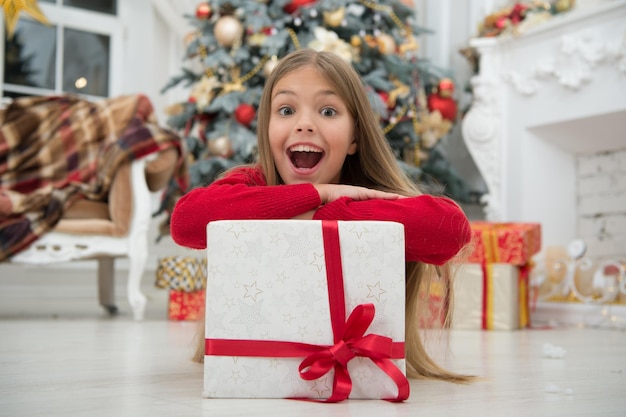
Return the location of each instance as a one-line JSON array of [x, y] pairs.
[[435, 227]]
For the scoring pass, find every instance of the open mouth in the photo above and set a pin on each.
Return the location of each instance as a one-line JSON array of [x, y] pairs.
[[305, 156]]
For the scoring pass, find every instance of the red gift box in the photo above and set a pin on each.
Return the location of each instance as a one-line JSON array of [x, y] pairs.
[[507, 243], [497, 296], [183, 305]]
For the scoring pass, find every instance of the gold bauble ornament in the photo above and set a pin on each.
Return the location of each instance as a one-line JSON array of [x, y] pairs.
[[386, 44], [221, 147], [269, 66], [228, 31], [335, 17], [564, 5], [257, 39]]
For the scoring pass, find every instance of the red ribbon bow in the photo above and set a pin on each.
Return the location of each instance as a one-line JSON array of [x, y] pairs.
[[349, 336], [353, 343]]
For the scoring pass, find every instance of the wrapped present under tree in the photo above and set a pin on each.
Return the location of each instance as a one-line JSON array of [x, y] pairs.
[[492, 289], [185, 278]]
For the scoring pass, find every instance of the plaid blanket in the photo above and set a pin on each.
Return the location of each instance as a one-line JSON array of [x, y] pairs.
[[58, 149]]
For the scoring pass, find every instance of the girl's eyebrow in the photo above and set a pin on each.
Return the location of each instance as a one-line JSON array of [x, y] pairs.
[[319, 93], [279, 92]]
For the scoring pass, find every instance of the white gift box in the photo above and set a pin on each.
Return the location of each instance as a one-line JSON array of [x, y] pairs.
[[492, 302], [267, 282]]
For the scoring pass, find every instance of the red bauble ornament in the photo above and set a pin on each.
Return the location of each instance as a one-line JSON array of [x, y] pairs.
[[296, 4], [245, 114], [442, 100], [203, 11], [384, 97]]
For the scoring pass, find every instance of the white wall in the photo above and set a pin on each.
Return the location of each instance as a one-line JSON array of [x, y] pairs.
[[601, 198]]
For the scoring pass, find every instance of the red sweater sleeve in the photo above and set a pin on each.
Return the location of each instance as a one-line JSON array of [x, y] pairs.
[[241, 195], [435, 228]]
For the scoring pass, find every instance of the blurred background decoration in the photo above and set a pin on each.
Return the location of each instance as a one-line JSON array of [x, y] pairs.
[[236, 44]]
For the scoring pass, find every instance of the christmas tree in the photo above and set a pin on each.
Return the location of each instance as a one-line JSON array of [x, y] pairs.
[[236, 44], [17, 65]]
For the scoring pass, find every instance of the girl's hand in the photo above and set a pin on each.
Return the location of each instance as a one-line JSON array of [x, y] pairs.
[[331, 192]]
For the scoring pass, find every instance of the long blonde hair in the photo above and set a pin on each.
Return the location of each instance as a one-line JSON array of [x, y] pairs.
[[374, 166]]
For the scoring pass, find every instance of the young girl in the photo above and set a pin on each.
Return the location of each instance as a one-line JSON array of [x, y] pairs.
[[323, 156]]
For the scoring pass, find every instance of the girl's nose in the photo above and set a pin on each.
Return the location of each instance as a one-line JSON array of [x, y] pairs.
[[304, 124]]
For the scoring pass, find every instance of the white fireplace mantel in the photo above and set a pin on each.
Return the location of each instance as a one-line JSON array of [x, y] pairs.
[[540, 99]]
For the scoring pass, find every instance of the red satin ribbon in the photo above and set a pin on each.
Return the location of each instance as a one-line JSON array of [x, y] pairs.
[[349, 336], [485, 295]]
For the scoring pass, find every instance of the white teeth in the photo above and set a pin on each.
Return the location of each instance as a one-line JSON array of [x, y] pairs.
[[304, 148]]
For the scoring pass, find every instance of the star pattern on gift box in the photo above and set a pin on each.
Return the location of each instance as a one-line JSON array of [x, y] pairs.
[[252, 291], [250, 316], [302, 331], [359, 230], [375, 291], [235, 376], [275, 238], [236, 229], [300, 246], [361, 375], [213, 270], [359, 251], [281, 277], [352, 302], [288, 318], [229, 303], [237, 251], [318, 261], [320, 388]]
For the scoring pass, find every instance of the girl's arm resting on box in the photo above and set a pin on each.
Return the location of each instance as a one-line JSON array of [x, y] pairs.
[[435, 228], [230, 199]]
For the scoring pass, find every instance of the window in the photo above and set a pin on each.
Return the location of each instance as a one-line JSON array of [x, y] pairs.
[[72, 55]]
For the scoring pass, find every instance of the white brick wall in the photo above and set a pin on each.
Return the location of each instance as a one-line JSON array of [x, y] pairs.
[[602, 203]]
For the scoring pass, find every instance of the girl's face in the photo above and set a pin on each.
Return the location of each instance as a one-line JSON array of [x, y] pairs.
[[310, 129]]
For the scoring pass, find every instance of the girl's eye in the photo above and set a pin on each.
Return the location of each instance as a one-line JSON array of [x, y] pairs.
[[329, 112], [285, 111]]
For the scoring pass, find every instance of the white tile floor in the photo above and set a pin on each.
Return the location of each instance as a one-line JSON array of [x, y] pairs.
[[60, 356]]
